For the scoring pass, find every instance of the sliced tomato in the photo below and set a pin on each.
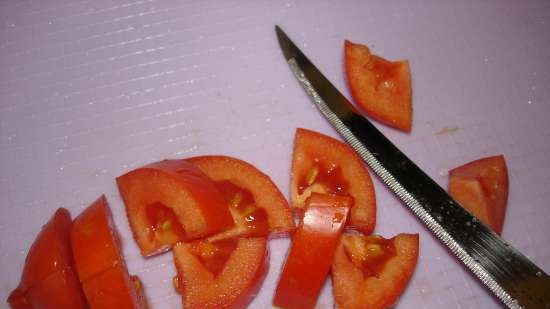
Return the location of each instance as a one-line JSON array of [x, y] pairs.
[[171, 201], [380, 87], [481, 187], [372, 272], [257, 205], [311, 252], [48, 280], [325, 165], [114, 288], [99, 262], [220, 275]]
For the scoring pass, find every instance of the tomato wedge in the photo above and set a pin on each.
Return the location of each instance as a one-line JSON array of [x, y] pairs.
[[99, 262], [481, 187], [257, 205], [220, 275], [171, 201], [311, 252], [380, 87], [48, 280], [372, 272], [323, 164]]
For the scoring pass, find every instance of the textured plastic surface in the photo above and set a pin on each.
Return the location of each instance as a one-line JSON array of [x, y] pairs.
[[92, 89]]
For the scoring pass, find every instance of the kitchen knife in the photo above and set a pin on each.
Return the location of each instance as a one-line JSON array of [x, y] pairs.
[[514, 279]]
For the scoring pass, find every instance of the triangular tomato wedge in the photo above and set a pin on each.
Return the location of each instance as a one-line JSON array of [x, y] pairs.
[[220, 275], [481, 187], [171, 201], [372, 272], [325, 165], [380, 87], [257, 205]]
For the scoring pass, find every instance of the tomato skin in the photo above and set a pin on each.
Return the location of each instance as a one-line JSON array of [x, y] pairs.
[[380, 87], [48, 280], [99, 261], [264, 192], [353, 291], [310, 146], [311, 252], [183, 188], [481, 186], [234, 287]]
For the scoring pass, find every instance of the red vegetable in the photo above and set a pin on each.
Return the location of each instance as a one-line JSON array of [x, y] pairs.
[[257, 205], [48, 280], [323, 164], [380, 87], [99, 261], [171, 201], [311, 253], [222, 274], [372, 272], [481, 187]]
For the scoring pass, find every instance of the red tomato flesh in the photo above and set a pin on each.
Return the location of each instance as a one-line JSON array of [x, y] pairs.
[[325, 165], [211, 277], [257, 205], [99, 261], [481, 187], [372, 272], [189, 206], [380, 87], [311, 252], [48, 280]]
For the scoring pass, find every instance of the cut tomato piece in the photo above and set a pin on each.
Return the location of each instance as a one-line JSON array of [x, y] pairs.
[[171, 201], [372, 272], [220, 275], [114, 288], [311, 252], [323, 164], [481, 187], [99, 262], [257, 205], [48, 280], [380, 87]]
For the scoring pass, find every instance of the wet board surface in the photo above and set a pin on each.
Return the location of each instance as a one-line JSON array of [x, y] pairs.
[[92, 89]]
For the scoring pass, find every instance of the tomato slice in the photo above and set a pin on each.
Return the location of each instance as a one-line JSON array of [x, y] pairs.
[[171, 201], [231, 280], [114, 288], [311, 252], [481, 187], [48, 280], [323, 164], [372, 272], [380, 87], [99, 262], [257, 205]]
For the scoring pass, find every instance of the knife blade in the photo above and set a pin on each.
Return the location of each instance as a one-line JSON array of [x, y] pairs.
[[507, 273]]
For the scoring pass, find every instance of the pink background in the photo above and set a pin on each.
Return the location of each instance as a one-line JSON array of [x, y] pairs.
[[92, 89]]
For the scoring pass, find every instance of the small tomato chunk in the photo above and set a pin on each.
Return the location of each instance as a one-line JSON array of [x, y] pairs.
[[220, 275], [325, 165], [481, 187], [171, 201], [310, 256], [380, 87], [372, 272]]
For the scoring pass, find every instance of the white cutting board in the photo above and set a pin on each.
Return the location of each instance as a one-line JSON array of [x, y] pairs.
[[92, 89]]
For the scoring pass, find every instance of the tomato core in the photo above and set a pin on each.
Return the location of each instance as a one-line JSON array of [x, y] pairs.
[[163, 224], [369, 253], [328, 175], [214, 255]]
